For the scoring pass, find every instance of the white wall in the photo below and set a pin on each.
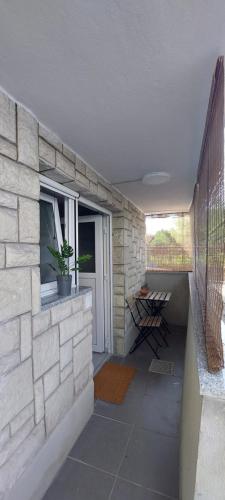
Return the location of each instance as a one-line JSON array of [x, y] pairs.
[[202, 452], [176, 312], [191, 417]]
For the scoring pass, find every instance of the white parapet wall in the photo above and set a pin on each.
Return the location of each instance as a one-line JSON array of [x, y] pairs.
[[202, 455]]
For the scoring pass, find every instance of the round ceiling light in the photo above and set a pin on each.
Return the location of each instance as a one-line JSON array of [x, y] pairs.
[[155, 178]]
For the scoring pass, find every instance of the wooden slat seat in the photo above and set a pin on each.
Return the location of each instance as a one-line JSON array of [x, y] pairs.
[[155, 296], [150, 321]]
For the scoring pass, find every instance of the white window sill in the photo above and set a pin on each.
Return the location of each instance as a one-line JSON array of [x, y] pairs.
[[54, 299]]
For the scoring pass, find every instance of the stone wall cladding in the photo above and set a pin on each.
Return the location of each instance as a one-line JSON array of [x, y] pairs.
[[40, 377], [46, 355]]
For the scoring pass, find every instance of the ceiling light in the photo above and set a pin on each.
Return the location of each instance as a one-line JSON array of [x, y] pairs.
[[155, 178]]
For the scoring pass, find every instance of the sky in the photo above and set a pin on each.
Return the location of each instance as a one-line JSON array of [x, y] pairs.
[[154, 224]]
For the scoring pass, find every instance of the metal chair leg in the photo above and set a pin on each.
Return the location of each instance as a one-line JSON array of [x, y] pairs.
[[163, 337]]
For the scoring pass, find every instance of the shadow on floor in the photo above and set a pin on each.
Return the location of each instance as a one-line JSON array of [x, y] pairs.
[[130, 451]]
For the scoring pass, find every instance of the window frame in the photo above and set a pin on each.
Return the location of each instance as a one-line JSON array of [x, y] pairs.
[[70, 200]]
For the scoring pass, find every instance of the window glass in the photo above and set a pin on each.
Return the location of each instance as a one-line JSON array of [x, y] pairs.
[[48, 236], [87, 245]]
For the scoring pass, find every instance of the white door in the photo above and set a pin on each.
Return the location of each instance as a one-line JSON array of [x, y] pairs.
[[91, 273]]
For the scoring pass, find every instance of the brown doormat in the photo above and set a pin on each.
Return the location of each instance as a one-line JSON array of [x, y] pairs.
[[112, 382]]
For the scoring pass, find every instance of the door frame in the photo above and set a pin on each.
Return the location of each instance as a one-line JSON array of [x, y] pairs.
[[98, 276], [103, 211]]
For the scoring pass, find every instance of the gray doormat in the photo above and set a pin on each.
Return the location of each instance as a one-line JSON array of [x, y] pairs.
[[162, 367]]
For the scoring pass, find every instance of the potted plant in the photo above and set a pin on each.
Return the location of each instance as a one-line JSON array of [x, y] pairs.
[[63, 267]]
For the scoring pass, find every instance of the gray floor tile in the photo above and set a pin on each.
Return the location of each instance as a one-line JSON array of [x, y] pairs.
[[159, 414], [125, 412], [102, 443], [139, 359], [166, 386], [139, 383], [127, 491], [152, 461], [76, 481]]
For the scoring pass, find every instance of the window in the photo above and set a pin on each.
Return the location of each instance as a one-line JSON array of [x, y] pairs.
[[168, 242], [57, 223]]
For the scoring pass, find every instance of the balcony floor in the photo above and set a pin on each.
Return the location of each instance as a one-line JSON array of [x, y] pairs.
[[130, 451]]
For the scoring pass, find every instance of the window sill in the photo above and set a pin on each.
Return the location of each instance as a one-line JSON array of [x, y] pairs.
[[55, 299], [166, 271]]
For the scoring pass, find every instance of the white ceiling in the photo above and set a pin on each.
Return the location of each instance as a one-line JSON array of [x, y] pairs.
[[125, 83]]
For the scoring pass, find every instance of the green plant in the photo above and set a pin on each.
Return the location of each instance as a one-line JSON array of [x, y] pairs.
[[62, 257]]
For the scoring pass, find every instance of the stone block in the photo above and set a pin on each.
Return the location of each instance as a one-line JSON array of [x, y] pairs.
[[18, 255], [81, 179], [25, 415], [29, 221], [7, 117], [27, 138], [8, 224], [118, 290], [70, 327], [80, 336], [8, 362], [51, 381], [118, 322], [87, 317], [119, 301], [87, 301], [4, 436], [21, 458], [41, 322], [69, 153], [118, 222], [103, 193], [61, 311], [65, 167], [118, 237], [118, 255], [16, 392], [8, 200], [39, 405], [118, 279], [45, 351], [58, 404], [119, 311], [50, 137], [15, 441], [80, 166], [15, 293], [82, 355], [66, 354], [91, 175], [19, 179], [93, 190], [77, 305], [66, 372], [82, 380], [47, 155], [25, 336], [36, 292], [2, 255], [8, 149], [9, 337]]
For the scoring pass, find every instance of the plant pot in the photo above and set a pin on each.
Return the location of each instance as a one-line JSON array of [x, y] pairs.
[[64, 285]]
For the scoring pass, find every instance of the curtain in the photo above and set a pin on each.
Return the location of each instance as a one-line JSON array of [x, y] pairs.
[[208, 222]]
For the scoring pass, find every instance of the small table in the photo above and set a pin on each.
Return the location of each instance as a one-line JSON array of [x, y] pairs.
[[153, 302]]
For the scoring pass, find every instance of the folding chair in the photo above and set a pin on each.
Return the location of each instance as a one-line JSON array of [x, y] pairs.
[[146, 326]]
